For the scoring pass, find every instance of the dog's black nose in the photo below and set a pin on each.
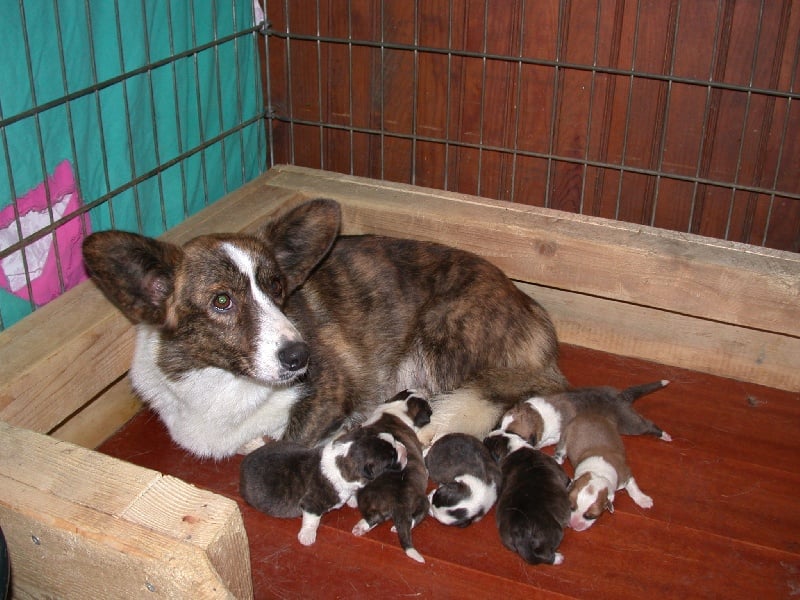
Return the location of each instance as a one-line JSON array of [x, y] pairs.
[[293, 356]]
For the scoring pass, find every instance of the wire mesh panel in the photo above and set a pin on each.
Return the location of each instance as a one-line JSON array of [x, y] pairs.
[[130, 114], [681, 115]]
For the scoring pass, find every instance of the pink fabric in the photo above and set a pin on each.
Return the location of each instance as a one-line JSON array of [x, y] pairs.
[[41, 257]]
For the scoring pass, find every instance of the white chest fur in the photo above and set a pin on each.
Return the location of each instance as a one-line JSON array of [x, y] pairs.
[[210, 412]]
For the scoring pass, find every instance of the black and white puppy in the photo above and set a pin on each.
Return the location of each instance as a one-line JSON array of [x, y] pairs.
[[286, 479], [400, 496], [533, 507], [467, 476]]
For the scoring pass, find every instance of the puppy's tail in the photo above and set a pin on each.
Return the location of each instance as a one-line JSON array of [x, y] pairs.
[[637, 391]]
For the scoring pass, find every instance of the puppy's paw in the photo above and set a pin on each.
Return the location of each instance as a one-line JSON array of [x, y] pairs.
[[665, 436], [307, 537], [308, 530], [559, 457], [558, 558], [638, 495], [412, 553], [361, 527]]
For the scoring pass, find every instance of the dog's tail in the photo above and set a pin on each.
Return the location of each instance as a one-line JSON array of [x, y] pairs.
[[637, 391]]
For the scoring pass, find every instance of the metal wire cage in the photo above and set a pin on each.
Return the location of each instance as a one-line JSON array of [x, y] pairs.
[[134, 115], [681, 115], [131, 115]]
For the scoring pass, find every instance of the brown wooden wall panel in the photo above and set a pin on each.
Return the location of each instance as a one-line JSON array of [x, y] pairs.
[[682, 115]]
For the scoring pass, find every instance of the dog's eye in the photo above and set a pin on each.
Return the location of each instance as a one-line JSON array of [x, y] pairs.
[[222, 302]]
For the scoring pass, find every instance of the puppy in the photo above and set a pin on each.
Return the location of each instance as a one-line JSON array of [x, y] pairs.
[[540, 420], [399, 496], [467, 476], [286, 479], [292, 331], [593, 445], [533, 508]]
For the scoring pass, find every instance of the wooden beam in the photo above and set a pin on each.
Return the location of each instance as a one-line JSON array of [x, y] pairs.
[[80, 524], [101, 417], [677, 340]]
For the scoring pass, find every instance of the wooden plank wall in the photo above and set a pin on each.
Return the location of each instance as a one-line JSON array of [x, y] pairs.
[[457, 122]]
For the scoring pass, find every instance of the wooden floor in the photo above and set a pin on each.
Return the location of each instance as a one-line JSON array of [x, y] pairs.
[[725, 524]]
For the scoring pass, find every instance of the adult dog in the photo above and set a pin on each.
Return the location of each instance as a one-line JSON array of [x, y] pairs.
[[294, 332]]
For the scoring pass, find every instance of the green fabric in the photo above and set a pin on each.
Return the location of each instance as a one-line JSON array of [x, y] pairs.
[[130, 127]]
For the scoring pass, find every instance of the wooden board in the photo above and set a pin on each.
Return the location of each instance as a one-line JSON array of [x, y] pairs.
[[101, 417], [80, 524]]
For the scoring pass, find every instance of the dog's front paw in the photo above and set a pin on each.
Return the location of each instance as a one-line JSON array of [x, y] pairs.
[[665, 436], [558, 558]]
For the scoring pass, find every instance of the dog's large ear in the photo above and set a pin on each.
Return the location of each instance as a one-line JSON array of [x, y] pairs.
[[302, 237], [133, 271]]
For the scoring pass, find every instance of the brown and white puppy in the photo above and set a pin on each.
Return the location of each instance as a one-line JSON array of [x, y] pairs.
[[467, 477], [294, 332], [541, 420], [399, 496], [594, 446], [533, 508], [286, 479]]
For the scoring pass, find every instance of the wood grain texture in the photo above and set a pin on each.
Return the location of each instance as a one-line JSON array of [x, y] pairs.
[[101, 417], [80, 524]]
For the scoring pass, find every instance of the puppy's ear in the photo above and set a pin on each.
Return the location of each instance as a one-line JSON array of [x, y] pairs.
[[133, 271], [399, 396], [368, 470], [302, 237], [421, 410], [497, 445], [449, 494]]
